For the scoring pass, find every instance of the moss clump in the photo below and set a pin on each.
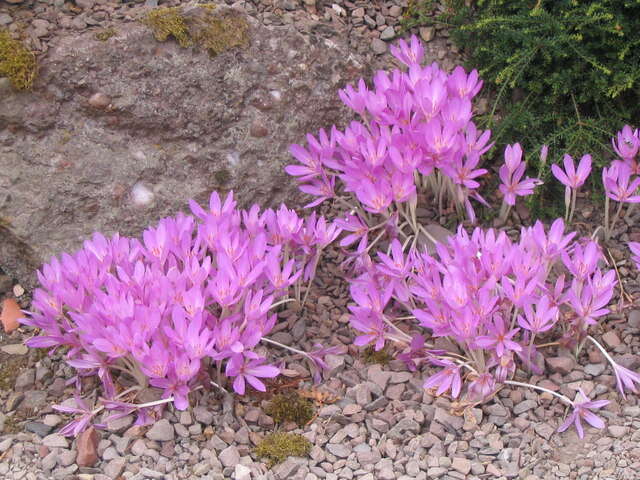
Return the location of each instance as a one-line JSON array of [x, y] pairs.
[[17, 63], [369, 355], [276, 447], [168, 22], [223, 32], [106, 34], [199, 26], [290, 407]]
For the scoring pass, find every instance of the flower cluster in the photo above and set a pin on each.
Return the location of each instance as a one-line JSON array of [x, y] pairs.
[[196, 296], [416, 134], [491, 298], [622, 179]]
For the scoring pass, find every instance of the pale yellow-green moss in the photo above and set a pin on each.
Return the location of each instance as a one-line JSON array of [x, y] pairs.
[[276, 447], [200, 26], [17, 62]]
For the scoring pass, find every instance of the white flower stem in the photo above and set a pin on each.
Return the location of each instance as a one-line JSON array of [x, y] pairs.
[[542, 389], [286, 347], [604, 352]]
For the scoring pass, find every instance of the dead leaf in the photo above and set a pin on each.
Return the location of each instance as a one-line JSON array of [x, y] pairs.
[[10, 315]]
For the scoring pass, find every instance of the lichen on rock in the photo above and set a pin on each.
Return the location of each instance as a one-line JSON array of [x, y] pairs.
[[202, 26], [17, 63]]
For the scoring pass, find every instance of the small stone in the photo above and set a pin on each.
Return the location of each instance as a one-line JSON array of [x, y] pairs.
[[49, 462], [351, 409], [185, 418], [286, 469], [242, 472], [340, 450], [18, 290], [378, 46], [55, 440], [120, 424], [15, 349], [203, 415], [85, 4], [99, 100], [427, 33], [67, 457], [6, 444], [114, 468], [5, 19], [161, 431], [462, 465], [38, 428], [594, 369], [395, 11], [388, 33], [524, 406], [617, 431], [358, 12], [87, 445], [52, 420], [562, 365], [230, 456], [611, 339], [544, 430], [25, 379]]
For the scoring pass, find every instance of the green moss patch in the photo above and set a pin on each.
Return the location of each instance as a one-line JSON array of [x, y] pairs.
[[290, 407], [17, 62], [276, 447], [201, 27], [106, 34]]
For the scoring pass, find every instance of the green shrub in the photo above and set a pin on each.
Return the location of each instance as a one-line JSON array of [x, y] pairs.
[[562, 72]]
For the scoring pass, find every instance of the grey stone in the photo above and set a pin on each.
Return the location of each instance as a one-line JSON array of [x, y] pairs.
[[55, 440], [524, 406], [242, 472], [286, 469], [5, 19], [594, 369], [162, 431], [203, 415], [230, 456], [378, 46], [6, 444], [340, 450], [176, 129], [49, 462], [387, 34], [114, 468], [67, 457], [562, 365], [25, 379], [38, 428]]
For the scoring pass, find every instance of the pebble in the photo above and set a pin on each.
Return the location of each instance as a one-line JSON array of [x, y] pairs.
[[611, 339], [462, 465], [15, 349], [387, 34], [55, 440], [87, 446], [378, 46], [161, 431], [339, 450], [229, 457], [114, 468]]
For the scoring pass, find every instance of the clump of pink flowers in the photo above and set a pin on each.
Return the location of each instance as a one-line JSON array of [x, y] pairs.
[[185, 307], [474, 306]]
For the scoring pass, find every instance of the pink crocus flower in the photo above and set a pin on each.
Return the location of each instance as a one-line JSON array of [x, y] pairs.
[[511, 173], [571, 177], [582, 411], [445, 379], [247, 367], [618, 184]]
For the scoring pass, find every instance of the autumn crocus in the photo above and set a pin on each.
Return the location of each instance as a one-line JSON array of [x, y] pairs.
[[513, 185], [572, 179], [582, 411], [618, 186]]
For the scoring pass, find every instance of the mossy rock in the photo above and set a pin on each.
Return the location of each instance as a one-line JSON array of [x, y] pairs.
[[204, 27], [277, 447], [17, 62]]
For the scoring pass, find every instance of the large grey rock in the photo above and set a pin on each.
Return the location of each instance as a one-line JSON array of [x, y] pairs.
[[129, 120]]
